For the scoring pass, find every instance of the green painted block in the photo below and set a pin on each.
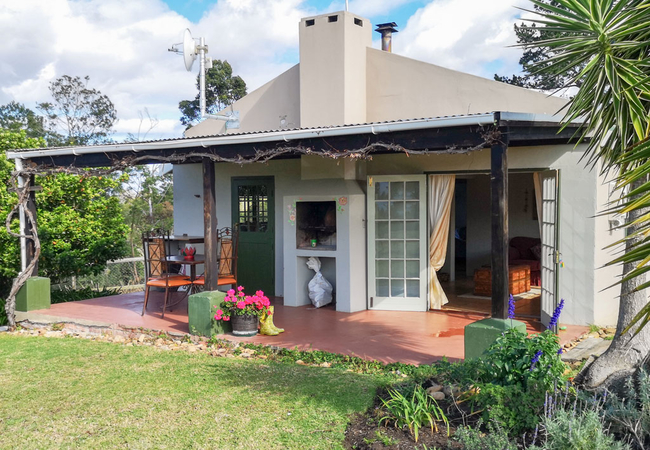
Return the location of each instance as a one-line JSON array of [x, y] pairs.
[[35, 294], [201, 309], [481, 334]]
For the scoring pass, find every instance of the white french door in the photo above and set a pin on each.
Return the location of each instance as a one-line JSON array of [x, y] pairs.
[[550, 253], [397, 243]]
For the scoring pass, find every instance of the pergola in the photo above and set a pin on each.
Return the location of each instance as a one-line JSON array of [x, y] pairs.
[[453, 134]]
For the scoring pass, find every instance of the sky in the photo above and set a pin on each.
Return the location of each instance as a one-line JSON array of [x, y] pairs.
[[122, 45]]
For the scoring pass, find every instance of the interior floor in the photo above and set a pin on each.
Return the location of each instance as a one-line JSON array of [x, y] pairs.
[[460, 294]]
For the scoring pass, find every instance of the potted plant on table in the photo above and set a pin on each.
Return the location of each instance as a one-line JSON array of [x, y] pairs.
[[244, 311]]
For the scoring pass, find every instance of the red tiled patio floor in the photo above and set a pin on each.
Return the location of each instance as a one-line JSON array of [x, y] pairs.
[[389, 336]]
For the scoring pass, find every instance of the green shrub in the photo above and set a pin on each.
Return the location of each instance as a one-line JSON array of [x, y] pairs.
[[630, 415], [415, 412], [514, 409], [473, 439], [517, 359], [68, 294]]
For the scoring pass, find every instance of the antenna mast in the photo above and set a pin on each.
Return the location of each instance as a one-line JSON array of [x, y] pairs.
[[190, 50]]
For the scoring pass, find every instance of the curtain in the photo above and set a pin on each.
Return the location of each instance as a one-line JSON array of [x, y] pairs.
[[441, 195], [537, 179]]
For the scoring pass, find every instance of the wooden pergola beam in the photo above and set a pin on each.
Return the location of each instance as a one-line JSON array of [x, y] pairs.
[[499, 221], [210, 225]]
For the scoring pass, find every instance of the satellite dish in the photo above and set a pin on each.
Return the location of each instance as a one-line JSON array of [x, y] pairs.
[[189, 49]]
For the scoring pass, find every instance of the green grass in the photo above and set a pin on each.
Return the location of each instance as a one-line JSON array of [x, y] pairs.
[[74, 393]]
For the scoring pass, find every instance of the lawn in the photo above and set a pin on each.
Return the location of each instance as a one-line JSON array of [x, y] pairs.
[[75, 393]]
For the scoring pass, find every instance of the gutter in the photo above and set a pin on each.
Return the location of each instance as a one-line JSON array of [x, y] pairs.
[[251, 138]]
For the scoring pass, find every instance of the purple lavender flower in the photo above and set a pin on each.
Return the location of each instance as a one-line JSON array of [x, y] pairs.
[[511, 307], [535, 359], [556, 315], [559, 352]]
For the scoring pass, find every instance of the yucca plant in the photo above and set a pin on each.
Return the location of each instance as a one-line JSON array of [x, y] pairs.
[[610, 41], [415, 412]]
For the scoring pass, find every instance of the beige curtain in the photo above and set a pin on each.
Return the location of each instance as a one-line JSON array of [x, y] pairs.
[[441, 194], [537, 179]]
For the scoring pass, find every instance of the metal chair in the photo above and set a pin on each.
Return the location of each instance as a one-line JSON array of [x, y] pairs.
[[228, 239], [156, 246]]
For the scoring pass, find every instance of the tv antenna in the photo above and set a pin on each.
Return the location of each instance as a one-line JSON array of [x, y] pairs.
[[190, 50]]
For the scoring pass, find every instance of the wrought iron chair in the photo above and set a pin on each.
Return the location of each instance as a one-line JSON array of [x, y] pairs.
[[228, 239], [156, 246]]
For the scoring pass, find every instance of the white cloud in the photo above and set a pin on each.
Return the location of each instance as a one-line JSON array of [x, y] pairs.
[[464, 35], [122, 45]]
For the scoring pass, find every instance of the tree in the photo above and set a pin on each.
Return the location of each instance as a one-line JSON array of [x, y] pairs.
[[15, 116], [537, 56], [604, 44], [221, 90], [83, 116]]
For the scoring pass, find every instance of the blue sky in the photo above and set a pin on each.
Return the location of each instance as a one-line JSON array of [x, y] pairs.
[[122, 45]]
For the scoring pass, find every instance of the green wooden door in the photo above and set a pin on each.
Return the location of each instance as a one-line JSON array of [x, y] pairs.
[[253, 209]]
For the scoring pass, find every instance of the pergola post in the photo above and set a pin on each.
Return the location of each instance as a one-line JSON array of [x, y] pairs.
[[31, 206], [499, 219], [210, 225]]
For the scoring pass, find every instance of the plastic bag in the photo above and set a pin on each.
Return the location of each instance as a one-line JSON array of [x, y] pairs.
[[320, 290]]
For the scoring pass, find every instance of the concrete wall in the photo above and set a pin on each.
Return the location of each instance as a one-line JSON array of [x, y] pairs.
[[262, 109], [401, 88]]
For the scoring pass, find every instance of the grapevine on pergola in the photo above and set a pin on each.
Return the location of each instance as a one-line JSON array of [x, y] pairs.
[[490, 137]]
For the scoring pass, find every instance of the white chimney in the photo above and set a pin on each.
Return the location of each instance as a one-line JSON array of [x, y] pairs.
[[333, 69]]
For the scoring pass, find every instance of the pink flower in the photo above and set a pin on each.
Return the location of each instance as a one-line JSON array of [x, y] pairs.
[[248, 301], [231, 292], [241, 305], [219, 312], [241, 294], [226, 318], [259, 293], [240, 288], [217, 317]]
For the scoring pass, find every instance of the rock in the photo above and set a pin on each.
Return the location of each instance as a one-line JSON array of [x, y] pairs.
[[159, 341], [120, 339], [4, 329], [585, 349], [129, 344], [451, 390], [325, 364], [610, 330], [301, 362], [245, 355], [221, 351], [262, 357], [434, 388], [601, 332], [53, 334], [437, 395], [230, 355], [192, 349], [141, 338]]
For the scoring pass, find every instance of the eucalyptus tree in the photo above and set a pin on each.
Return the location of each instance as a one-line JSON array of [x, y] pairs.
[[606, 43]]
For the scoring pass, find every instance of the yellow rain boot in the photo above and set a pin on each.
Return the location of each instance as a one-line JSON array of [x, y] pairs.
[[266, 326], [270, 320]]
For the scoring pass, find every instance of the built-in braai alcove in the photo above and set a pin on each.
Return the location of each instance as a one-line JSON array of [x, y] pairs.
[[316, 225]]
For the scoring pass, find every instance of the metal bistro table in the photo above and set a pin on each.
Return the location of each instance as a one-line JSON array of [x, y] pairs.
[[198, 259]]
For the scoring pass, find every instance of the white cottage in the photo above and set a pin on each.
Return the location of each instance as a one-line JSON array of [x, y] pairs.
[[380, 253]]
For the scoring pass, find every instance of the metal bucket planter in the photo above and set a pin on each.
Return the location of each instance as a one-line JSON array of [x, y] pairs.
[[245, 325]]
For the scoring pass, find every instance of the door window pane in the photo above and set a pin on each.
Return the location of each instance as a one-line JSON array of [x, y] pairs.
[[381, 190], [412, 288], [397, 268], [412, 269], [396, 288], [397, 190], [412, 210], [381, 210], [396, 210], [412, 191], [412, 230], [381, 249], [397, 229], [413, 249], [396, 249], [381, 267], [381, 230], [382, 287]]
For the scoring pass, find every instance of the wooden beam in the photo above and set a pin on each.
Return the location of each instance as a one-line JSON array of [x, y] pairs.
[[210, 225], [499, 216]]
